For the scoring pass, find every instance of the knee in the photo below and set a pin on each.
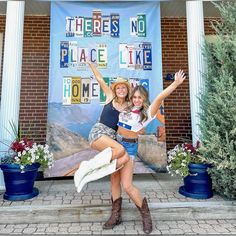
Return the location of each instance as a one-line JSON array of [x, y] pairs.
[[126, 157], [119, 151], [127, 188]]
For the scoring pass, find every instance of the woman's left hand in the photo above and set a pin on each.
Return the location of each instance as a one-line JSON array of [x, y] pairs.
[[179, 77], [141, 131]]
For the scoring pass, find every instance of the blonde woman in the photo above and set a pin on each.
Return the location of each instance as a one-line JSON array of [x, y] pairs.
[[103, 133], [131, 121]]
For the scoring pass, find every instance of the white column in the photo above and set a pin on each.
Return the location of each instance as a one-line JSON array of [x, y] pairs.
[[195, 32], [11, 78]]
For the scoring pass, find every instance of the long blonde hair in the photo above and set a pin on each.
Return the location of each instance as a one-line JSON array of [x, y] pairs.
[[146, 103]]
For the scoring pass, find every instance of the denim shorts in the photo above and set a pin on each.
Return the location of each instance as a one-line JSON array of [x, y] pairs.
[[131, 148], [99, 130]]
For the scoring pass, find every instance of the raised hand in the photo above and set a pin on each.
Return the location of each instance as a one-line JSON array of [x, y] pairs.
[[105, 88], [179, 77], [88, 61]]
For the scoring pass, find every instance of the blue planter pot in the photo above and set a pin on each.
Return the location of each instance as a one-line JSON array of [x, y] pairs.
[[198, 183], [19, 186]]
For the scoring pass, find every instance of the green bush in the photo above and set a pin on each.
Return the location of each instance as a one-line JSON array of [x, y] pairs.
[[218, 103]]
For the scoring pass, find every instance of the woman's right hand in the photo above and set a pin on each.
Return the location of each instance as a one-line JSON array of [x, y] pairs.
[[105, 88], [88, 62]]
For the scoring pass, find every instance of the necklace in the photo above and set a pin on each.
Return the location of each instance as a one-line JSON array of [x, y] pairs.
[[120, 107]]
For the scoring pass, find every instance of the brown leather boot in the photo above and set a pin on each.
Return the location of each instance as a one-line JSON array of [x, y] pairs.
[[115, 218], [146, 216]]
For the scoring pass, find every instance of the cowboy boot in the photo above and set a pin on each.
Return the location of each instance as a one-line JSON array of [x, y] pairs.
[[101, 159], [115, 218], [146, 216], [95, 174]]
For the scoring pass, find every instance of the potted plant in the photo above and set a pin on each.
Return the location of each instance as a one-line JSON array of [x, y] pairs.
[[184, 160], [20, 166]]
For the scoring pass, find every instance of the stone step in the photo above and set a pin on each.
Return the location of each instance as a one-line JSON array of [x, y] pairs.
[[99, 213]]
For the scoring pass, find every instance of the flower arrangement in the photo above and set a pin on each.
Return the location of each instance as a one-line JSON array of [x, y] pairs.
[[25, 152], [180, 157]]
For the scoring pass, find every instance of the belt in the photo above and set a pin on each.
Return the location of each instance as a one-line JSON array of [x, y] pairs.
[[128, 140]]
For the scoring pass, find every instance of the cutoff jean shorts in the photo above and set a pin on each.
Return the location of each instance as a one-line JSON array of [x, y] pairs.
[[99, 130], [131, 148]]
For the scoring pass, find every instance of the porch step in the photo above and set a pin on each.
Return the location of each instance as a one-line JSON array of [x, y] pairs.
[[99, 213]]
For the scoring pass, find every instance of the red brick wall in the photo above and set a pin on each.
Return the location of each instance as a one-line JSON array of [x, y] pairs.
[[2, 30], [35, 73], [174, 57]]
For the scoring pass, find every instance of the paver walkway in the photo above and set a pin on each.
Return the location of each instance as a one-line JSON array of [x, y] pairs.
[[158, 188]]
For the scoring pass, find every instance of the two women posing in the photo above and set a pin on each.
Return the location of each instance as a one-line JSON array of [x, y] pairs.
[[123, 118]]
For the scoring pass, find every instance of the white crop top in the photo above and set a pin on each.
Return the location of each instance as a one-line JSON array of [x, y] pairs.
[[131, 120]]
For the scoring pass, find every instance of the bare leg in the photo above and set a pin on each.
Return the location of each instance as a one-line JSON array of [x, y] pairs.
[[135, 195], [71, 171], [118, 151], [115, 218], [104, 142], [126, 174], [115, 185]]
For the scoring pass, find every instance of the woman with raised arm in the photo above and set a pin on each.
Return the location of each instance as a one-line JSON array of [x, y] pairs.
[[131, 121], [103, 133]]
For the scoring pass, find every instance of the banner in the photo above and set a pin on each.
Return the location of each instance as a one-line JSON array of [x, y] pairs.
[[123, 39]]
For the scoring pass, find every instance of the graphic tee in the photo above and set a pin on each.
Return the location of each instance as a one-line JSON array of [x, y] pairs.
[[131, 120]]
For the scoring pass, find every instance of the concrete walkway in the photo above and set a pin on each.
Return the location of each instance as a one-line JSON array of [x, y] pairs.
[[59, 209]]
